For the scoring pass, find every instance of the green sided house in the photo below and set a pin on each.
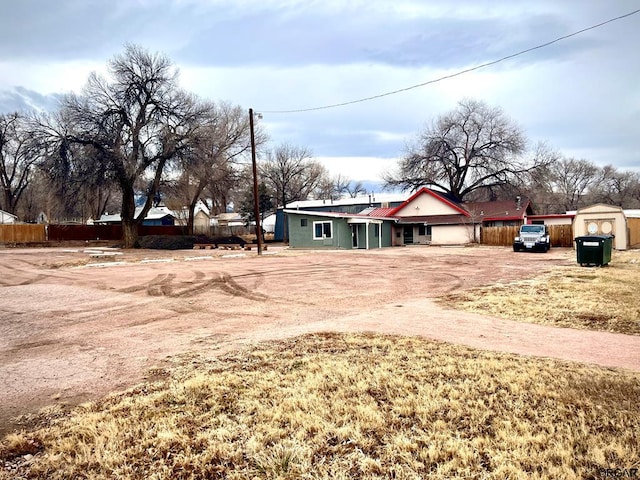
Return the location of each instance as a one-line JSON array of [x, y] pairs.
[[425, 218], [308, 229]]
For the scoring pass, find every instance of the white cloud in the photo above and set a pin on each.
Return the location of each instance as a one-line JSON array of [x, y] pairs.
[[358, 168], [581, 94], [47, 78]]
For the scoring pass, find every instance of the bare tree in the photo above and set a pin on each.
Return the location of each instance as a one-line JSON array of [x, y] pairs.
[[291, 173], [19, 155], [470, 148], [80, 182], [208, 164], [616, 187], [136, 123], [356, 188], [332, 187], [571, 180]]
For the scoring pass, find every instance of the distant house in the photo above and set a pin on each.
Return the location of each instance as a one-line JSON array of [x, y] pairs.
[[201, 218], [156, 216], [426, 218], [230, 220], [7, 218], [269, 223]]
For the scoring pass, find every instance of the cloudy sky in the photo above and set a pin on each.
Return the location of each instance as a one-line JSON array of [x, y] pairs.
[[580, 95]]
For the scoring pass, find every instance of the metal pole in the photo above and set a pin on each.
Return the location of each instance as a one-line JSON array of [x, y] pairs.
[[256, 204]]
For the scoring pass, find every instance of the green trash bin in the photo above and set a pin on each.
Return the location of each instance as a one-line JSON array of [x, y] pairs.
[[594, 249]]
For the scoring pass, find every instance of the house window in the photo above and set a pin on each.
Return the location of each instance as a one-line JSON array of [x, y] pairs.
[[424, 230], [322, 230], [304, 222]]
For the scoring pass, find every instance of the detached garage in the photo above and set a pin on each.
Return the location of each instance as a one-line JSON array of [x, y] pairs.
[[601, 219]]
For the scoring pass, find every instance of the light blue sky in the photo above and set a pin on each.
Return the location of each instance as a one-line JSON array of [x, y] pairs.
[[581, 95]]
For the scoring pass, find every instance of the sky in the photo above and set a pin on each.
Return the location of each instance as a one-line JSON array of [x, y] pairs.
[[581, 95]]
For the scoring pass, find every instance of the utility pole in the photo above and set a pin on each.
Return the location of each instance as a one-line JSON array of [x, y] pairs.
[[256, 203]]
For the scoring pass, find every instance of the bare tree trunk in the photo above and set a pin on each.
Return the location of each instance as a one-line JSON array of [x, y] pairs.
[[129, 223], [190, 218], [129, 233]]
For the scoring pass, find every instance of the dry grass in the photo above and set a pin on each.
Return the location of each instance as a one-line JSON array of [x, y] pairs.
[[348, 406], [593, 298]]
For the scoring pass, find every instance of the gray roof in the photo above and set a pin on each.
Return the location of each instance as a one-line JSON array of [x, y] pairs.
[[155, 213]]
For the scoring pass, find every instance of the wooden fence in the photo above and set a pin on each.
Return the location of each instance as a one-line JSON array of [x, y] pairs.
[[561, 235], [22, 233], [498, 236], [58, 233]]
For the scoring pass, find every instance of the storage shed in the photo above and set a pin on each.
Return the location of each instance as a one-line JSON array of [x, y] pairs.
[[602, 219]]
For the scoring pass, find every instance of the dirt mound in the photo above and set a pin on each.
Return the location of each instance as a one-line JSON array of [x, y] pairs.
[[184, 242]]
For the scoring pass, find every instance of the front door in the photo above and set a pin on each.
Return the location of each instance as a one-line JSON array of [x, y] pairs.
[[354, 236], [408, 234]]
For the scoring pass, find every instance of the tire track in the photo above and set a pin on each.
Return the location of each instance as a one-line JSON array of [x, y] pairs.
[[165, 285]]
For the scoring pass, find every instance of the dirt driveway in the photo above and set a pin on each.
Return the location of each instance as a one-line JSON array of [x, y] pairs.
[[71, 332]]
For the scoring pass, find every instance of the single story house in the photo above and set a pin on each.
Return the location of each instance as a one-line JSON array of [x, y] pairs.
[[352, 205], [156, 216], [426, 217], [309, 229], [7, 218]]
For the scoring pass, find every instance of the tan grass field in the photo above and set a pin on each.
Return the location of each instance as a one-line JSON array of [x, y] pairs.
[[605, 298], [331, 406]]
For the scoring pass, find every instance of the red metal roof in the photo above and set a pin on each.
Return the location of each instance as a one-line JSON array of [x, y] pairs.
[[381, 212]]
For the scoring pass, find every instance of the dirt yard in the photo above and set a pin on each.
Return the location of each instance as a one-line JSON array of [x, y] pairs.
[[72, 329]]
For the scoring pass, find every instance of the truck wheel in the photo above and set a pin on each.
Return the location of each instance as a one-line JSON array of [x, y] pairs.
[[516, 249]]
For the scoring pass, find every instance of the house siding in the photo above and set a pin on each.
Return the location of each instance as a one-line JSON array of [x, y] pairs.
[[452, 234], [568, 220], [426, 204], [302, 236], [384, 229]]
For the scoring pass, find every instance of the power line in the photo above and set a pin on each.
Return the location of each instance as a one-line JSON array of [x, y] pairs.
[[462, 72]]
